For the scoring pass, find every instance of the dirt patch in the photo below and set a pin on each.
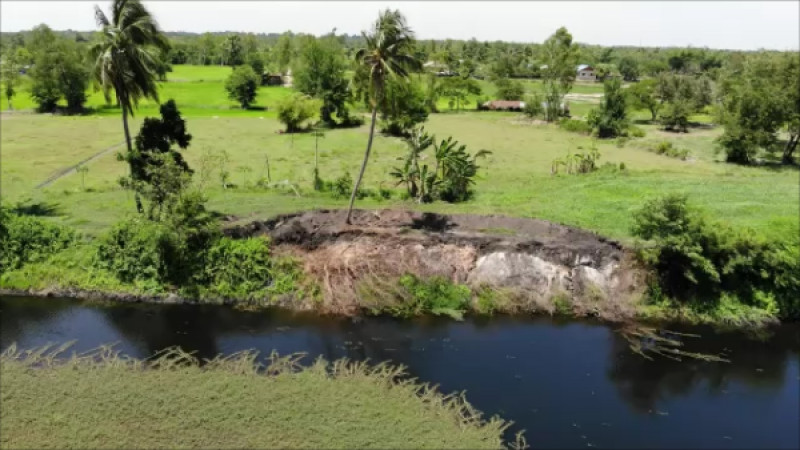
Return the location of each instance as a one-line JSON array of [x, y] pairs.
[[535, 259]]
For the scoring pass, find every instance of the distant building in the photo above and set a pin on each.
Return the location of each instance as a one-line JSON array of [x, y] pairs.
[[586, 72], [268, 79], [503, 105]]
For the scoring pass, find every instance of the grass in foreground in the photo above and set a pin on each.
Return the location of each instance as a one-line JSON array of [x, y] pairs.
[[104, 400]]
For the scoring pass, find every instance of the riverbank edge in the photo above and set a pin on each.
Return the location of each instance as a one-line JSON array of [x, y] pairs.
[[649, 315]]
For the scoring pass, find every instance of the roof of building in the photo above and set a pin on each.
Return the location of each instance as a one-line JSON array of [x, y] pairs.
[[504, 104], [584, 66]]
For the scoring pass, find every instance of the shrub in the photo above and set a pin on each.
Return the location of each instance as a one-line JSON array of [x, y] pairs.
[[294, 110], [666, 148], [574, 126], [609, 119], [138, 250], [342, 186], [242, 85], [635, 132], [238, 268], [533, 106], [699, 261], [436, 296], [675, 116], [509, 89], [25, 239]]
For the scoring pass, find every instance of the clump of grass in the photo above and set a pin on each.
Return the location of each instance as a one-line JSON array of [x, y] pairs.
[[667, 149], [416, 296], [102, 399]]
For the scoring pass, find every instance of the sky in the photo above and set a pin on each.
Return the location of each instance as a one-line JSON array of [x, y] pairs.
[[745, 25]]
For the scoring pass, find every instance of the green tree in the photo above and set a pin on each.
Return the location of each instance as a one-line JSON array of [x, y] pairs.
[[284, 52], [642, 95], [610, 118], [388, 53], [675, 115], [233, 51], [159, 173], [242, 85], [458, 89], [125, 57], [320, 73], [509, 89], [629, 68], [560, 55], [296, 109], [10, 74]]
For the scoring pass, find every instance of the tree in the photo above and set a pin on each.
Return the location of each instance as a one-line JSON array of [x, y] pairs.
[[629, 68], [125, 57], [284, 52], [675, 115], [388, 53], [255, 61], [233, 51], [458, 89], [10, 74], [296, 109], [59, 71], [610, 119], [242, 85], [410, 174], [561, 57], [509, 89], [642, 95], [320, 73], [158, 172]]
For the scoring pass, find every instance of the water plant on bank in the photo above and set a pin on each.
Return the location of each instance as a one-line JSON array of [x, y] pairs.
[[54, 399]]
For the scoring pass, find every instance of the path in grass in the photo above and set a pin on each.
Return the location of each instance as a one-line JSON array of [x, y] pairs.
[[72, 169]]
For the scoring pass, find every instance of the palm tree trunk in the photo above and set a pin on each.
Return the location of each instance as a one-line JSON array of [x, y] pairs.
[[363, 163], [130, 150]]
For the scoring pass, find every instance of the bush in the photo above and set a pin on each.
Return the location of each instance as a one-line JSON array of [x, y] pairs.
[[239, 268], [575, 126], [294, 110], [242, 85], [25, 239], [342, 186], [436, 296], [635, 132], [509, 89], [666, 148], [139, 250], [675, 116], [609, 119], [533, 106], [700, 261]]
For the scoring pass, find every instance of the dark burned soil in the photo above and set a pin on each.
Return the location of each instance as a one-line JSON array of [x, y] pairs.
[[310, 229], [536, 260]]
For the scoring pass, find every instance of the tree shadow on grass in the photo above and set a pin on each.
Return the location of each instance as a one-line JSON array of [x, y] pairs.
[[255, 108], [40, 209]]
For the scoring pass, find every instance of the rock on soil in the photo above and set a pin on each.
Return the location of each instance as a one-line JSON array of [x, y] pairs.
[[536, 259]]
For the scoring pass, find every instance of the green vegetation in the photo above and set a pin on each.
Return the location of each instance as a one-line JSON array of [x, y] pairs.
[[64, 168], [103, 399], [242, 85], [703, 263]]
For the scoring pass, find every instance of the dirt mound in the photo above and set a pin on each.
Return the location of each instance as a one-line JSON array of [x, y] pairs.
[[536, 259]]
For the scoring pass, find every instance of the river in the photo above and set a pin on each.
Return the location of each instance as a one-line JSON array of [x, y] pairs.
[[568, 383]]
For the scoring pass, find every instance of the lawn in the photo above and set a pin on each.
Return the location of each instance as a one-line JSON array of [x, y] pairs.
[[514, 180], [121, 403]]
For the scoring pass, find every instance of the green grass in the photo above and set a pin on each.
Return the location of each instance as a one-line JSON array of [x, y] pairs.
[[515, 180], [102, 400], [198, 90]]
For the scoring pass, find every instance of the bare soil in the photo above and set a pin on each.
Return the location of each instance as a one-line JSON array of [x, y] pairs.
[[379, 246]]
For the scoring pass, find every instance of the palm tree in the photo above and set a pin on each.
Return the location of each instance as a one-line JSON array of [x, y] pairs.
[[126, 57], [388, 52]]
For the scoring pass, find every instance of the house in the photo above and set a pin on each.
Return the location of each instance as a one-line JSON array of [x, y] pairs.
[[586, 72], [503, 105], [268, 79]]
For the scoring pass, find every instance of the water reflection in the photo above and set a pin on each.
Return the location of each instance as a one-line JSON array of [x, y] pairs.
[[568, 383]]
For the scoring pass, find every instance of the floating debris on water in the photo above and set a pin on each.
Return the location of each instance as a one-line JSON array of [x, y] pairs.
[[646, 340]]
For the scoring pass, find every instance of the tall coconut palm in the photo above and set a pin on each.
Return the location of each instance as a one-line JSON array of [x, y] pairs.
[[126, 56], [389, 52]]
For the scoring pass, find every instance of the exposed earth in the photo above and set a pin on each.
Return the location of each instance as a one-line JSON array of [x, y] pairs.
[[538, 265]]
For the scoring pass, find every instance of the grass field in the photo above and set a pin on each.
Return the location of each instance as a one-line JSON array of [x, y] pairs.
[[515, 180], [112, 402]]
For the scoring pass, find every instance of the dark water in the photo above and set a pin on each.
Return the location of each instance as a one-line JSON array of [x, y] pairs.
[[568, 384]]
